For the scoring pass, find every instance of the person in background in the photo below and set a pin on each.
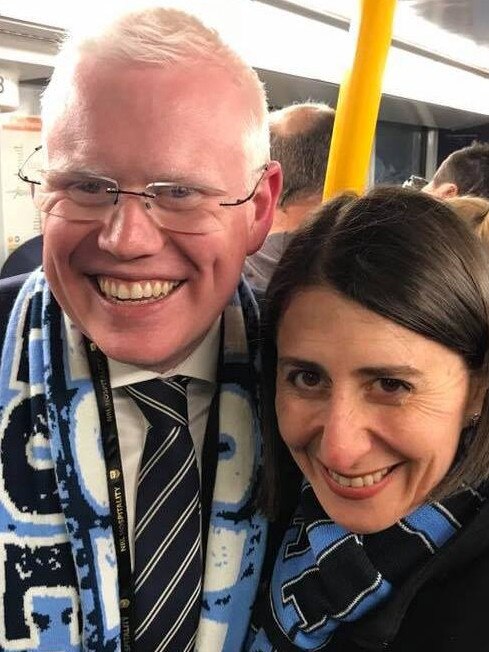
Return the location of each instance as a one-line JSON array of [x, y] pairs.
[[375, 368], [464, 172], [300, 138], [24, 259], [130, 442]]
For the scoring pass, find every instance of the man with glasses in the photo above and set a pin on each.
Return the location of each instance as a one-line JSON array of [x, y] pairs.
[[154, 181]]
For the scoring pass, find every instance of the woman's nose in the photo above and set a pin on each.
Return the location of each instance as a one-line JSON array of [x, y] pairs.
[[347, 433]]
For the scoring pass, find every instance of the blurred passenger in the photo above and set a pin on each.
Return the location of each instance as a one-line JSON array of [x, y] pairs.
[[474, 211], [130, 440], [464, 172], [24, 259], [300, 138], [375, 354]]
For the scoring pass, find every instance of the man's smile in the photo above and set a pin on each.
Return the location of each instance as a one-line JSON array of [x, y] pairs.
[[142, 290]]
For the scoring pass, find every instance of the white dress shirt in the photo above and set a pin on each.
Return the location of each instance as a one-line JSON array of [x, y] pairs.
[[200, 366]]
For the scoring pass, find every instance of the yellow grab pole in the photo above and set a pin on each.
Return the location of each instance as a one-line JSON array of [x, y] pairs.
[[359, 99]]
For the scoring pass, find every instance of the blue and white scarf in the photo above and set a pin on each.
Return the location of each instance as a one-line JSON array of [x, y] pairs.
[[58, 584], [325, 576]]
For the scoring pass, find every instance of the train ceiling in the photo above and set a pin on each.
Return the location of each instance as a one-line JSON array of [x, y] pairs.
[[448, 40], [455, 29], [463, 17]]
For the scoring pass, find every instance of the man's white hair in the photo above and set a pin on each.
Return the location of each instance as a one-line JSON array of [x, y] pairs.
[[159, 36]]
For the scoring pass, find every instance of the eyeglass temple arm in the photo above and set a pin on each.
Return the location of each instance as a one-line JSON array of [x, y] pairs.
[[20, 172], [238, 202]]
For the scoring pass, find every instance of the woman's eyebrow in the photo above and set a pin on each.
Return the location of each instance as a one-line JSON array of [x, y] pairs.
[[390, 370], [300, 362], [406, 371]]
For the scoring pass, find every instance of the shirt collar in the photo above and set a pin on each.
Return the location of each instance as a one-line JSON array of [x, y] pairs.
[[201, 364]]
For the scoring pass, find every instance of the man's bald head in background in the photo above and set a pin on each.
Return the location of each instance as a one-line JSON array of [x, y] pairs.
[[300, 136], [300, 139]]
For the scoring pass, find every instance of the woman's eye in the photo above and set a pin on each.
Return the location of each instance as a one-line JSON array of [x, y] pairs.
[[393, 385], [304, 379]]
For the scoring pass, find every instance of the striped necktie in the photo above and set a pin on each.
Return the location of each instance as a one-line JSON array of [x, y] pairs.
[[168, 563]]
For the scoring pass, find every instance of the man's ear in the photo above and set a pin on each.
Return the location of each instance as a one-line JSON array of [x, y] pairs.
[[264, 203], [445, 190]]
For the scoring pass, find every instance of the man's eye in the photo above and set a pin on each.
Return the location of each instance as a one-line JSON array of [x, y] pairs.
[[174, 192], [181, 192], [90, 186], [176, 197], [303, 379]]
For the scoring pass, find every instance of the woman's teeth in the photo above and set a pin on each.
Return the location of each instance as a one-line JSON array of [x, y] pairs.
[[126, 291], [360, 480]]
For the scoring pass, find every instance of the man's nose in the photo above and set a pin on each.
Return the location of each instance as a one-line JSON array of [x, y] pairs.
[[131, 231], [348, 432]]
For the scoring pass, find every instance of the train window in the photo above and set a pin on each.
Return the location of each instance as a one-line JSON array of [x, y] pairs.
[[400, 151]]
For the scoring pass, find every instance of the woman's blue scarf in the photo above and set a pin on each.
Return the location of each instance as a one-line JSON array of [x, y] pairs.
[[325, 576], [59, 587]]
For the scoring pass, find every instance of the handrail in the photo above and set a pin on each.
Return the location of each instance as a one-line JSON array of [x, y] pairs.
[[359, 99]]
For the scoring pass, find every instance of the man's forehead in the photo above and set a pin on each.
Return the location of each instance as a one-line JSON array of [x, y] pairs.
[[152, 122], [148, 97], [178, 79]]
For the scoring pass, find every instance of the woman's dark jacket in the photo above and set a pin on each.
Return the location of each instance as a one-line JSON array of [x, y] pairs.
[[444, 607]]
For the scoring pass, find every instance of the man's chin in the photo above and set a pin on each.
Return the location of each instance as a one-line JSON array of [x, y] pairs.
[[157, 361], [144, 356]]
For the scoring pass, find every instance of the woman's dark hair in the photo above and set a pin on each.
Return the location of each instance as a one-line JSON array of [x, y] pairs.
[[407, 257]]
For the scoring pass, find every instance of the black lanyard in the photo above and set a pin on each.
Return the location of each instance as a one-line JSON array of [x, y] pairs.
[[115, 480]]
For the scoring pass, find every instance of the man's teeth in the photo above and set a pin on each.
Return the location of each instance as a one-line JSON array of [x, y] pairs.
[[359, 480], [138, 290]]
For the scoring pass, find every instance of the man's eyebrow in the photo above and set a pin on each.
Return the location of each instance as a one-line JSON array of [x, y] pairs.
[[178, 178], [185, 180], [174, 177], [68, 168]]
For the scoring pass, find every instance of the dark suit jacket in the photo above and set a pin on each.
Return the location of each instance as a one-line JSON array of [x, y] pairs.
[[24, 259], [9, 289]]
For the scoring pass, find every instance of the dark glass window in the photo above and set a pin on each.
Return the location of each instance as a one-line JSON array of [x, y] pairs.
[[400, 150]]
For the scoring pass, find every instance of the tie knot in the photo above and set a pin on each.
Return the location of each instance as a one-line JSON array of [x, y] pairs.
[[163, 401]]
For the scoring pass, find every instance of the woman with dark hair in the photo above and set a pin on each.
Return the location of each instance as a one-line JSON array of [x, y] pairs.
[[375, 360], [475, 212]]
